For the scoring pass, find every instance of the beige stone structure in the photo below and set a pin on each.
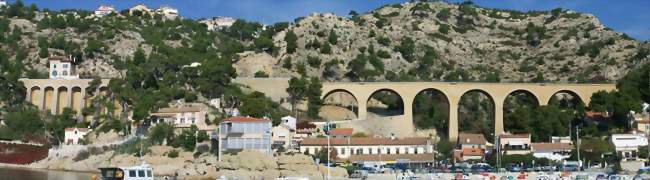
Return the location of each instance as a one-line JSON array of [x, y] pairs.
[[56, 94], [63, 89], [362, 92]]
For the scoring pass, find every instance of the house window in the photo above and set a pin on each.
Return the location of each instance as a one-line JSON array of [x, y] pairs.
[[131, 173], [54, 73], [65, 73], [53, 65], [193, 120], [182, 120], [65, 65]]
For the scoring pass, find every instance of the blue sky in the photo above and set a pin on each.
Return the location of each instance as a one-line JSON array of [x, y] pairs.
[[628, 16]]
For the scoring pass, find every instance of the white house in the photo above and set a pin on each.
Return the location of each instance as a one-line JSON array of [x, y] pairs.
[[140, 7], [553, 151], [244, 133], [218, 22], [627, 145], [182, 115], [289, 121], [73, 135], [347, 147], [561, 139], [167, 12], [104, 10], [63, 68], [470, 146], [515, 143], [282, 136]]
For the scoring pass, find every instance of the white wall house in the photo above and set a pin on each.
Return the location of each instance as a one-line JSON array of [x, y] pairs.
[[289, 121], [104, 10], [62, 68], [282, 136], [627, 145], [347, 147], [140, 7], [515, 143], [182, 115], [553, 151], [244, 133], [167, 12], [73, 135]]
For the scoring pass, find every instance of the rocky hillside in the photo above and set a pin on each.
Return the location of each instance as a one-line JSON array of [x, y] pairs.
[[450, 42]]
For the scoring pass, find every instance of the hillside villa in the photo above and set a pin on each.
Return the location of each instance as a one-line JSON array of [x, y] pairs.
[[183, 115], [73, 135], [244, 133], [104, 10]]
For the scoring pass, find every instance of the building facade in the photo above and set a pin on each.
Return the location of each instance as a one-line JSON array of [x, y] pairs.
[[552, 151], [282, 136], [346, 147], [73, 135], [515, 143], [244, 133], [104, 10], [182, 115], [470, 146], [627, 145]]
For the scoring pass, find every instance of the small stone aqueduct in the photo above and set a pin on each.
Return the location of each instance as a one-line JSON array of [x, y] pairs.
[[56, 94], [453, 91]]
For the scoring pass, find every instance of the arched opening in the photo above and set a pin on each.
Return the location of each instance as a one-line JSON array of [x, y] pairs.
[[518, 108], [385, 102], [62, 101], [476, 113], [339, 105], [566, 99], [76, 99], [35, 95], [431, 112], [48, 98]]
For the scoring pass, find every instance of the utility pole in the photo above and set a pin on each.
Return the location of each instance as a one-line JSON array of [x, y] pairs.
[[328, 149], [578, 144]]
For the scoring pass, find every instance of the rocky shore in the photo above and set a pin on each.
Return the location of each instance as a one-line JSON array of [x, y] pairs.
[[245, 165]]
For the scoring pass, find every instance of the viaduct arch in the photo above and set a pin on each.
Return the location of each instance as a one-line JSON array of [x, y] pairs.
[[453, 91]]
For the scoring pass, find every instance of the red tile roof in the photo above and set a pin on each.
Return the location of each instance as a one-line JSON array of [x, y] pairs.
[[341, 132], [595, 115], [551, 146], [471, 139], [245, 119], [366, 141], [425, 157], [515, 135], [473, 152], [80, 129]]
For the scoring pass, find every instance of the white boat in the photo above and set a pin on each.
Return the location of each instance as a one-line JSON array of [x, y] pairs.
[[141, 172]]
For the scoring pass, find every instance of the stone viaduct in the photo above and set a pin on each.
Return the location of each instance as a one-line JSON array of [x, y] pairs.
[[56, 94], [453, 91]]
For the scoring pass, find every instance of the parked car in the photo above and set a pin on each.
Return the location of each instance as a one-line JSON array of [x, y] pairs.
[[642, 174], [361, 174], [479, 168], [571, 167], [618, 177], [513, 168], [548, 168], [601, 177]]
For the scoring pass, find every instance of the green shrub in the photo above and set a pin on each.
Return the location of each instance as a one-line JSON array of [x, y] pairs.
[[172, 154], [81, 155], [313, 61], [383, 54], [261, 74], [383, 40]]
